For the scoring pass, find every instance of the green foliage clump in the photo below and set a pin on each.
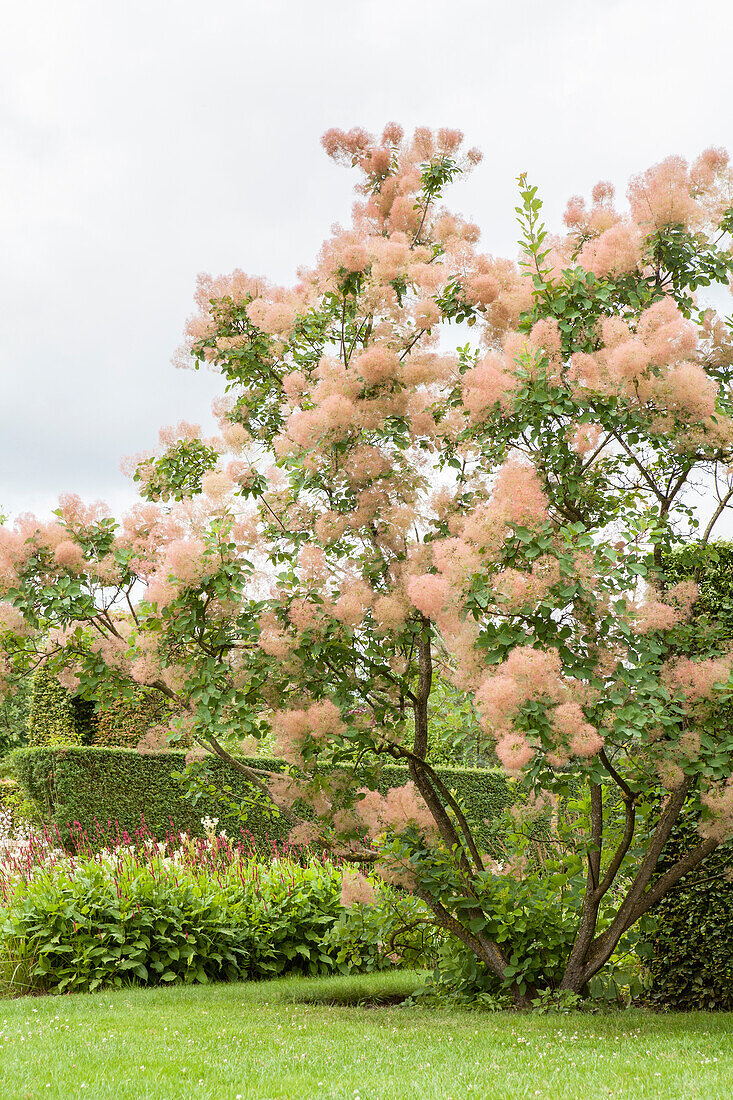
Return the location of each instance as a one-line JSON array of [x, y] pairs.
[[456, 738], [178, 472], [106, 789], [15, 806], [146, 917], [14, 718], [394, 931]]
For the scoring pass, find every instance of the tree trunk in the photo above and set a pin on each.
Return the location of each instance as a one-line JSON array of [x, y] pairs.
[[590, 954]]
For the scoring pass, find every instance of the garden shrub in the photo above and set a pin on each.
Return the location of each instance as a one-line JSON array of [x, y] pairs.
[[536, 908], [376, 937], [74, 932], [15, 805], [111, 788], [194, 914]]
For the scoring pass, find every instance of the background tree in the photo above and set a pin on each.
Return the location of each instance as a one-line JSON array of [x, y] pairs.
[[379, 507]]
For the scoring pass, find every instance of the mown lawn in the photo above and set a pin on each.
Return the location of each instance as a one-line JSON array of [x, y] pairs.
[[265, 1041]]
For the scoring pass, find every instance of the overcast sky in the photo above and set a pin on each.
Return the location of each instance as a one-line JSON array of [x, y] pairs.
[[145, 142]]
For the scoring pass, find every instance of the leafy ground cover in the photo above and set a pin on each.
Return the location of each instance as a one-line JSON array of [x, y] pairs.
[[311, 1038]]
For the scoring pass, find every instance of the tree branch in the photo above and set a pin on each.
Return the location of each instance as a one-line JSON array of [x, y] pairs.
[[716, 515]]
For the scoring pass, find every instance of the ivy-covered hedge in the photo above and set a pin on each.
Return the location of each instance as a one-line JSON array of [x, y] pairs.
[[692, 960], [111, 788]]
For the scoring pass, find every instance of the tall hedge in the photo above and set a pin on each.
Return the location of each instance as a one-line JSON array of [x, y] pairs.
[[57, 717], [123, 722], [692, 960], [114, 788], [52, 718], [710, 565]]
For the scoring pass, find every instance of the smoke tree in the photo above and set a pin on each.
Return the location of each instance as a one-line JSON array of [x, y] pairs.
[[385, 503]]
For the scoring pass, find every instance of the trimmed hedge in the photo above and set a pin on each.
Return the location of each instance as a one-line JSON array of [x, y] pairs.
[[52, 718], [692, 959], [710, 565], [57, 717], [692, 954], [117, 788], [124, 722]]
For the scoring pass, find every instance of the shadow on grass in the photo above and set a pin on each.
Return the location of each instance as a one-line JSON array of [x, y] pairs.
[[380, 990]]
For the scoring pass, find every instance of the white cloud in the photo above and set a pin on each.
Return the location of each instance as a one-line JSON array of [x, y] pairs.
[[145, 142]]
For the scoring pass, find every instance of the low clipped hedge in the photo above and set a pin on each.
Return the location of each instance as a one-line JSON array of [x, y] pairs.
[[111, 789]]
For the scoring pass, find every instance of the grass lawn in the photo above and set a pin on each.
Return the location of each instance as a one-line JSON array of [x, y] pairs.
[[270, 1040]]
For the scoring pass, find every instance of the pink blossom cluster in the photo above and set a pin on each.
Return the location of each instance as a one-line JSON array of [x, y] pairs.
[[518, 499], [522, 589], [530, 674], [355, 598], [616, 251], [68, 680], [582, 738], [234, 289], [318, 722], [285, 789], [657, 613], [390, 164], [11, 619], [490, 383], [154, 741], [504, 293], [305, 834], [694, 679], [717, 822], [356, 889], [657, 371], [673, 193], [585, 438], [78, 516], [669, 193], [273, 639], [527, 673], [399, 809], [52, 542]]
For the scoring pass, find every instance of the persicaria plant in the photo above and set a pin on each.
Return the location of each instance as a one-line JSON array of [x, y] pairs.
[[431, 459]]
